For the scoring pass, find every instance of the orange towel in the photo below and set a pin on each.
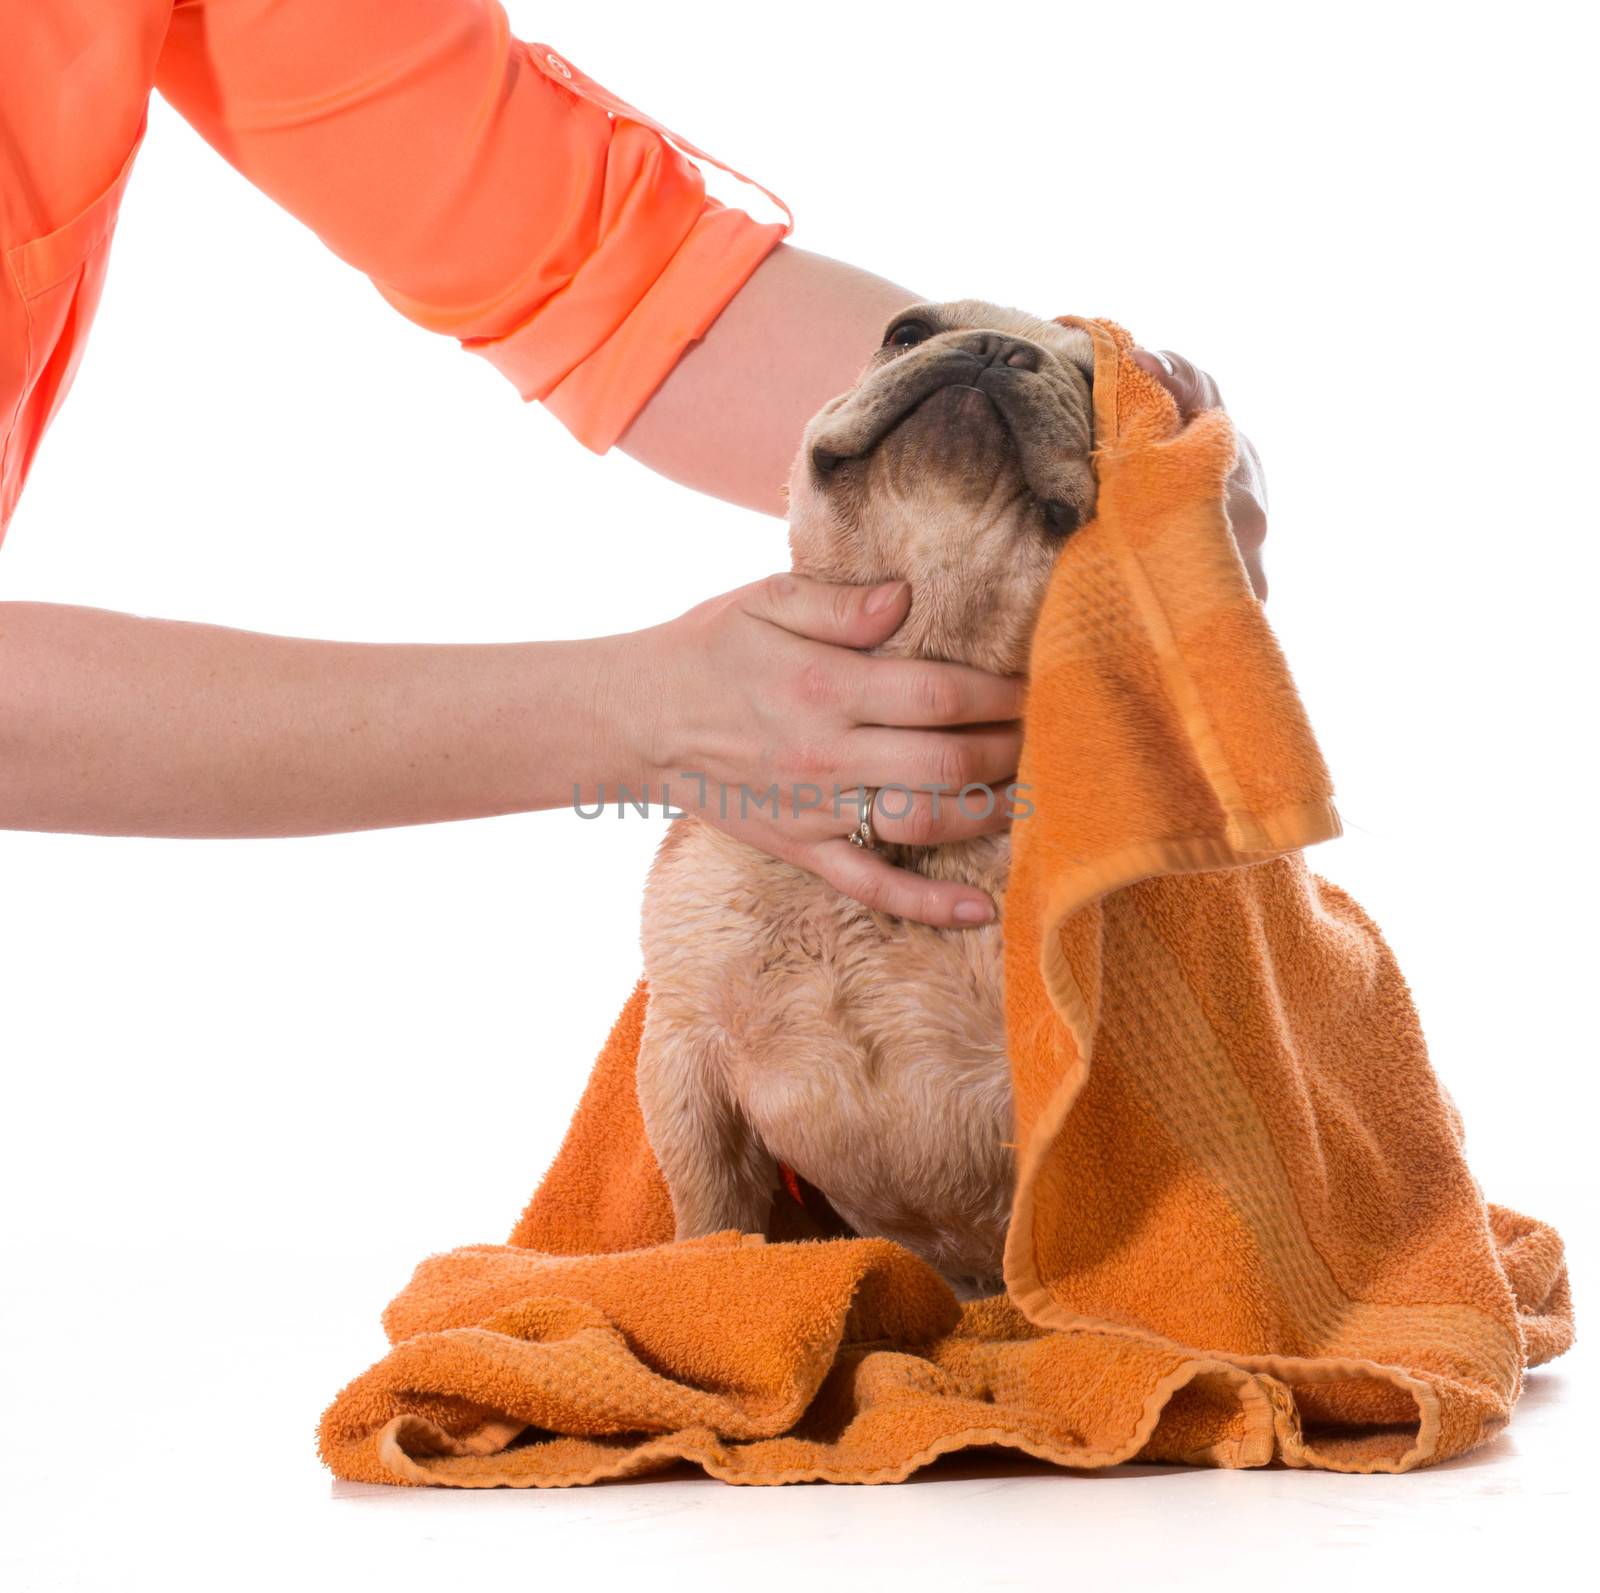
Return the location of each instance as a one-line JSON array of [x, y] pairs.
[[1243, 1228]]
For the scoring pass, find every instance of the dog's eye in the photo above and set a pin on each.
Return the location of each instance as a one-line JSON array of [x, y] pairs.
[[904, 333]]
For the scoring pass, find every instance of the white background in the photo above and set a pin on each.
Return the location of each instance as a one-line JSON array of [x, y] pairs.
[[249, 1084]]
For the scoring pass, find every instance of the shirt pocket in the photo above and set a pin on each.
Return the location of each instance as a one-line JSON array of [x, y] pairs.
[[58, 278]]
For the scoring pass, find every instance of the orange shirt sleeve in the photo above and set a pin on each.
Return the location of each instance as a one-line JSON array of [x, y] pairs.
[[490, 189]]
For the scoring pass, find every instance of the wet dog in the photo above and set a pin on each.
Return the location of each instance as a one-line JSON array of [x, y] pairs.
[[787, 1023]]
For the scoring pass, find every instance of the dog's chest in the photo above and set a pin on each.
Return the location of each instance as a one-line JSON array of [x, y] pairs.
[[891, 1093], [868, 1054]]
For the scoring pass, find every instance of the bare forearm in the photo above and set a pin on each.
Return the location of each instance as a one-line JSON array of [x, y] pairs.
[[110, 724], [728, 420]]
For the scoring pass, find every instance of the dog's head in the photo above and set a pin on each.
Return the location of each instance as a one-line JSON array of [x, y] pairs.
[[958, 462]]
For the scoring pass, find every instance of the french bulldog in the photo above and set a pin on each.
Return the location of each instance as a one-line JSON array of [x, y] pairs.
[[790, 1027]]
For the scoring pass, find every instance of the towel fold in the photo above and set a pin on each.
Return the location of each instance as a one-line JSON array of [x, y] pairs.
[[1243, 1230]]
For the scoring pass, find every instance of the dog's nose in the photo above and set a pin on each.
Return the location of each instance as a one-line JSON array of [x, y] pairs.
[[994, 348]]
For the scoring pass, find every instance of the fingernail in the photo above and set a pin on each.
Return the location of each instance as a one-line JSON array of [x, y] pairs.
[[970, 912], [884, 597]]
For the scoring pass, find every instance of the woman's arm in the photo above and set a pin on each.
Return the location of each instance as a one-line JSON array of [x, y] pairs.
[[495, 193], [115, 725]]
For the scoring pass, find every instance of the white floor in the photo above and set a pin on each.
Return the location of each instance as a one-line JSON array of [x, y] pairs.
[[159, 1409]]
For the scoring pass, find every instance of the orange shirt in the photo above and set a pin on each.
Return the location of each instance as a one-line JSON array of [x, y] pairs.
[[490, 189]]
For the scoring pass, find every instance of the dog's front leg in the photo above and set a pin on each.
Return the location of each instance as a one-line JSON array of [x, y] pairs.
[[717, 1172]]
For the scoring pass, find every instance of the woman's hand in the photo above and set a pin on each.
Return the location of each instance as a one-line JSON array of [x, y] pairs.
[[1194, 390], [768, 687]]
